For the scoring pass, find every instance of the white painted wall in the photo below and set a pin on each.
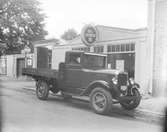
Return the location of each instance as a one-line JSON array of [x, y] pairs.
[[58, 55], [141, 66], [160, 49], [10, 65]]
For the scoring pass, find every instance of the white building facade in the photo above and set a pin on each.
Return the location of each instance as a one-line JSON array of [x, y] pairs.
[[11, 65], [126, 50]]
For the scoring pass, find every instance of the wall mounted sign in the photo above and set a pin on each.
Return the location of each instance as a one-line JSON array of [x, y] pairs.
[[120, 64], [89, 35], [29, 61]]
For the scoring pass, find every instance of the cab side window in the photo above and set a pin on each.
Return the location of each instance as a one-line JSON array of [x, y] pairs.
[[74, 59]]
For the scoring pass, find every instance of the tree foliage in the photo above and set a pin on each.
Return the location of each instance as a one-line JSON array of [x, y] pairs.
[[69, 34], [21, 22]]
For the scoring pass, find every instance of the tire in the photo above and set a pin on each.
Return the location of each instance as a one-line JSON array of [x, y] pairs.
[[130, 105], [103, 106], [42, 90]]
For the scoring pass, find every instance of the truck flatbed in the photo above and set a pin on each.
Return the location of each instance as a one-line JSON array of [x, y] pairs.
[[40, 72]]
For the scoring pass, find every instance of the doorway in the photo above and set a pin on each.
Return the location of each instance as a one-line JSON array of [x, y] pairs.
[[123, 61], [20, 65]]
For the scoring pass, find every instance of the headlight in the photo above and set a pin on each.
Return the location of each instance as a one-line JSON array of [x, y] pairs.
[[115, 80], [132, 82], [123, 88]]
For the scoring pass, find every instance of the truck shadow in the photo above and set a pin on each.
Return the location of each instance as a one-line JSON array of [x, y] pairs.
[[116, 111]]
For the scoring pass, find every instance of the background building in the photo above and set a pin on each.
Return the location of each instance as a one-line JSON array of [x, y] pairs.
[[43, 53], [11, 65], [126, 50]]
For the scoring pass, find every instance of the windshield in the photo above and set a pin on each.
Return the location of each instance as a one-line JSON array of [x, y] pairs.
[[94, 61]]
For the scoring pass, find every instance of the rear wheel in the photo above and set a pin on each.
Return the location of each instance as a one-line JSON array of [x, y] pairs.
[[101, 100], [129, 105], [42, 90]]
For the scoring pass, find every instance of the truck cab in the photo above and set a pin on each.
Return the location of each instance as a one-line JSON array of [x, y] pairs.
[[81, 68]]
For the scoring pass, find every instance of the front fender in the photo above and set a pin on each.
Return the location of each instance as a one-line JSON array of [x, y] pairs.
[[135, 86], [98, 83]]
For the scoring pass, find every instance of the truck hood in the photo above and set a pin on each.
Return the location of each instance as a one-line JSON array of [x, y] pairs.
[[105, 71]]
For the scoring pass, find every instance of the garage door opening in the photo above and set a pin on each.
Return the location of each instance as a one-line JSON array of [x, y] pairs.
[[123, 61]]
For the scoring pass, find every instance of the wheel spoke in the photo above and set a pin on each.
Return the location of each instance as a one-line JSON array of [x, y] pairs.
[[41, 90], [100, 100]]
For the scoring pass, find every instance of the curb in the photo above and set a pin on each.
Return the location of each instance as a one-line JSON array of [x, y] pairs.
[[139, 114]]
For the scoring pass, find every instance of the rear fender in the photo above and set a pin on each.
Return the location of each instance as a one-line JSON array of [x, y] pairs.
[[98, 83]]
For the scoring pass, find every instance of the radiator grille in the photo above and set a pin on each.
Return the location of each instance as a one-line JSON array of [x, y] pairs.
[[122, 79]]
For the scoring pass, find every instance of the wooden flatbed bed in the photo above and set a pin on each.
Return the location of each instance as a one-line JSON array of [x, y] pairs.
[[40, 72]]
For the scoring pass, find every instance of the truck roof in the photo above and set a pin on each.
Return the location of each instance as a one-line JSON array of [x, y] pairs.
[[87, 53]]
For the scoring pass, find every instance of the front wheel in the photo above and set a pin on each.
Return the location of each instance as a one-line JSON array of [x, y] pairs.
[[129, 105], [101, 100], [42, 90]]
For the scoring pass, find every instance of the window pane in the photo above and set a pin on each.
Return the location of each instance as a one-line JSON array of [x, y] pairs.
[[98, 49], [117, 48], [127, 47], [132, 47], [113, 48], [122, 47], [109, 48]]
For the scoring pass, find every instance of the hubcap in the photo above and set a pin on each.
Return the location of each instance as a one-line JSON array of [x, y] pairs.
[[99, 101], [41, 90]]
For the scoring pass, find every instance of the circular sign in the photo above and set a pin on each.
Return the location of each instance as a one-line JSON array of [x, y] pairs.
[[89, 35]]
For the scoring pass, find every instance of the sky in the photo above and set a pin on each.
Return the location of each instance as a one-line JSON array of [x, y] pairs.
[[65, 14]]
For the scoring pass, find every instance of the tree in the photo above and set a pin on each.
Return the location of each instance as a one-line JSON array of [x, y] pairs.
[[21, 23], [69, 34]]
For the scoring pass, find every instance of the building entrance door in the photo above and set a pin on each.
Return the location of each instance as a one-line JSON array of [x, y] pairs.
[[20, 65], [123, 61]]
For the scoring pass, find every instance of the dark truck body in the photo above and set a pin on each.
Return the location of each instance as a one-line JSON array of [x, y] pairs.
[[40, 72], [86, 74]]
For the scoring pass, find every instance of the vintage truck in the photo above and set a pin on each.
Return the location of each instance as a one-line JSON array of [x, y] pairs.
[[86, 74]]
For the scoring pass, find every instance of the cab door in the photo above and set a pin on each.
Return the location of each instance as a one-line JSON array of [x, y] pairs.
[[73, 73]]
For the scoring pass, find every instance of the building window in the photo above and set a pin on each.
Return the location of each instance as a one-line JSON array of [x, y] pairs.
[[117, 48], [113, 48], [121, 47], [3, 66], [127, 47], [98, 49], [132, 47], [109, 47]]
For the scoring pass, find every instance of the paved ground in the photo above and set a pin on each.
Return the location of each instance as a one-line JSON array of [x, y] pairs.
[[23, 112], [150, 109]]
